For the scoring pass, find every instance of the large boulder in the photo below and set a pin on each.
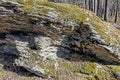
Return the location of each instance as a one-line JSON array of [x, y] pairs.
[[40, 33]]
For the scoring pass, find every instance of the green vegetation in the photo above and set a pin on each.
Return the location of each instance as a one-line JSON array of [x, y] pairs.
[[70, 67], [68, 11], [1, 74], [115, 69], [100, 75], [42, 7], [89, 68], [47, 65]]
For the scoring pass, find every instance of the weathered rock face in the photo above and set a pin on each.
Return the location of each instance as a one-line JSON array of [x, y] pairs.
[[40, 41]]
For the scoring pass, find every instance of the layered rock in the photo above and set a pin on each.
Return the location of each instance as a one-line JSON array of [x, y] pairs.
[[41, 39]]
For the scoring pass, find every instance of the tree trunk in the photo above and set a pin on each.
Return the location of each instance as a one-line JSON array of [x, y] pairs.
[[85, 4], [94, 5], [105, 13], [116, 13], [98, 7]]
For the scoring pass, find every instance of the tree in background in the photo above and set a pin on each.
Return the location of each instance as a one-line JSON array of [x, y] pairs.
[[116, 13], [108, 10], [105, 13]]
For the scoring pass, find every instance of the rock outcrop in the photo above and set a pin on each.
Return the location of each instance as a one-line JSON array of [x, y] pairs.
[[42, 33]]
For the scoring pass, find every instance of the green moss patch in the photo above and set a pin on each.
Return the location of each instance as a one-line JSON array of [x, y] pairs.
[[46, 65], [49, 67], [89, 68], [71, 67], [1, 74], [115, 69]]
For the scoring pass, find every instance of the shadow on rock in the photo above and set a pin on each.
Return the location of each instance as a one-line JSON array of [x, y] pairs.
[[31, 51], [8, 64], [79, 46], [10, 50]]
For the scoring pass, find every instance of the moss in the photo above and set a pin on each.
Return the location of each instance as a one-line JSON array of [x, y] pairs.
[[70, 67], [115, 69], [100, 75], [44, 11], [1, 74], [89, 68], [64, 10], [47, 65]]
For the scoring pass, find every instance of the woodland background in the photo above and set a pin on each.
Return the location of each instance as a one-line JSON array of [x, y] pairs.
[[108, 10]]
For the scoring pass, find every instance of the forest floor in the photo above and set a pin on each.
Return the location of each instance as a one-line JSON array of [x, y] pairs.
[[68, 70], [8, 71]]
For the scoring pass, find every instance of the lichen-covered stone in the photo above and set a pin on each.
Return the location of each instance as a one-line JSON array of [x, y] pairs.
[[43, 35]]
